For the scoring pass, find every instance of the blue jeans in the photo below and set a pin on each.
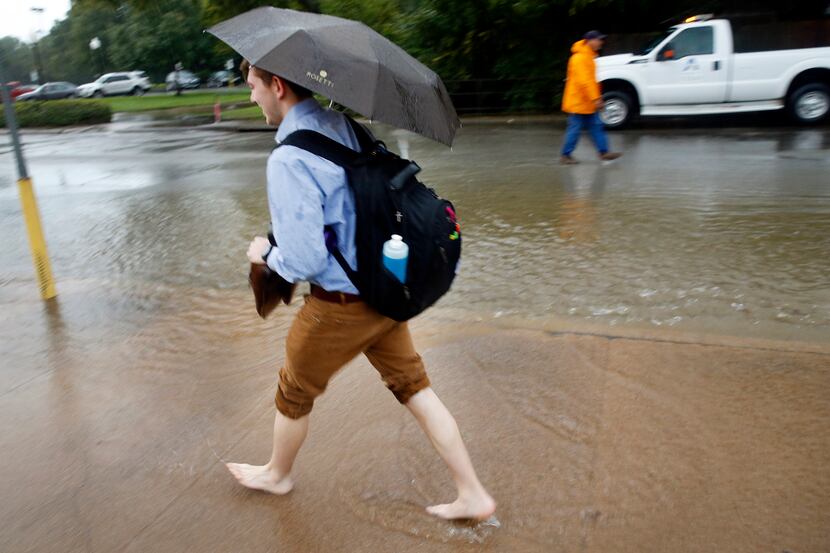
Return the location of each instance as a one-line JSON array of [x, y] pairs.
[[590, 122]]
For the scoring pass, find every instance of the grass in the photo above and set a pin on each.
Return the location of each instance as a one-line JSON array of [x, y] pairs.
[[169, 101], [246, 113]]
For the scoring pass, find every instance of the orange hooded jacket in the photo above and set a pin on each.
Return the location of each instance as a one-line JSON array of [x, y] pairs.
[[581, 87]]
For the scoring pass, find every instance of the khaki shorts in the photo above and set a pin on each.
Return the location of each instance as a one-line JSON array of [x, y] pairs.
[[325, 336]]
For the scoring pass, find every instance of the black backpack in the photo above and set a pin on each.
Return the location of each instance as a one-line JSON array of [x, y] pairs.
[[390, 200]]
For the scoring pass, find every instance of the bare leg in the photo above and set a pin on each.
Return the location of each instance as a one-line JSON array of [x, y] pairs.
[[473, 501], [275, 477]]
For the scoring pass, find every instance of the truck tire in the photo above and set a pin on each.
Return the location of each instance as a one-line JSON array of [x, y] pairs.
[[618, 110], [810, 103]]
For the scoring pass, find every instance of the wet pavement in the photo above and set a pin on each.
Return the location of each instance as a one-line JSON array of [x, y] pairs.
[[638, 353]]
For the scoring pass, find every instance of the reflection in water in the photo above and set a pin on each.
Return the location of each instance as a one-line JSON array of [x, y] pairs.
[[56, 335], [582, 187], [807, 142]]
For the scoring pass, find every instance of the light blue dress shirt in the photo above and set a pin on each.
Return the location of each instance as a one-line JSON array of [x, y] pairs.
[[307, 193]]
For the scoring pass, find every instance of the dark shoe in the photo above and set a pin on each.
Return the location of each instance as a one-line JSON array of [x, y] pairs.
[[610, 156], [567, 160]]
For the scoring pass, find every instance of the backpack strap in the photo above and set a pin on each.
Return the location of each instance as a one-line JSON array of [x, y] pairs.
[[331, 246], [364, 137], [323, 146]]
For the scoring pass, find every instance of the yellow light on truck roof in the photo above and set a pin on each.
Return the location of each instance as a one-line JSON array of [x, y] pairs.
[[699, 17]]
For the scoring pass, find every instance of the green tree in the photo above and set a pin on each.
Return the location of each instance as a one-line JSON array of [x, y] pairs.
[[218, 10], [16, 58], [384, 16], [65, 50], [154, 39], [520, 46]]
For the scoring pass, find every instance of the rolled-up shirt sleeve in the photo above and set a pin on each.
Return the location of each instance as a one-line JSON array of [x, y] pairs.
[[295, 202]]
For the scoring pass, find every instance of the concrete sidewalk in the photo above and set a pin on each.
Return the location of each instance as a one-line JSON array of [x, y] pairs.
[[590, 441]]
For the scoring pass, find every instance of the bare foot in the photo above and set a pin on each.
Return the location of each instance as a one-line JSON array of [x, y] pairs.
[[260, 478], [479, 507]]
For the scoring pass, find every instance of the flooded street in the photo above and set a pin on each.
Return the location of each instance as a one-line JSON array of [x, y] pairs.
[[725, 233], [638, 353]]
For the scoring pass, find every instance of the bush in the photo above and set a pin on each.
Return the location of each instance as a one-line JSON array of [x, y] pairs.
[[60, 113]]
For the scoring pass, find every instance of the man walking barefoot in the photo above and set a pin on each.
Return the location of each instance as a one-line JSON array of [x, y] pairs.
[[583, 99], [306, 193]]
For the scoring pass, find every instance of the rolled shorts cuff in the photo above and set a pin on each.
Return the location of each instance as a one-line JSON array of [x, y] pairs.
[[403, 393], [292, 408]]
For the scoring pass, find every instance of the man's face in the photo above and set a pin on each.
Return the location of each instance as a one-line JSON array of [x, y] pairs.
[[264, 94], [596, 44]]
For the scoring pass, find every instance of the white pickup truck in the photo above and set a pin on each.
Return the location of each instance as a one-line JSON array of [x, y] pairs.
[[697, 68]]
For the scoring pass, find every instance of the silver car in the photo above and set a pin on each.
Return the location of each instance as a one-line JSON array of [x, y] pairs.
[[111, 84], [186, 79], [50, 91]]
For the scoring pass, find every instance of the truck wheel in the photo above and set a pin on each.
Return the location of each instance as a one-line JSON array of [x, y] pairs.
[[810, 103], [617, 111], [137, 91], [97, 94]]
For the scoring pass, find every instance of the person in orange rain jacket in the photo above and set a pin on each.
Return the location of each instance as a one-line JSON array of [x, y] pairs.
[[583, 99]]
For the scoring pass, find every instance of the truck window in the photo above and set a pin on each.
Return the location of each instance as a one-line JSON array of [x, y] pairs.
[[652, 43], [692, 42], [785, 35]]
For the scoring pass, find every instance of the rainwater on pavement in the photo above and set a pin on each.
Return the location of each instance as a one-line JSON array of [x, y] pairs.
[[638, 353]]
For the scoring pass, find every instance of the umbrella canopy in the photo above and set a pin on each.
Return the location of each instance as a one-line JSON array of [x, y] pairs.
[[347, 62]]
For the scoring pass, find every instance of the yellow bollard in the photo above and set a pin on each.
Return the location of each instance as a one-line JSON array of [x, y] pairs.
[[27, 199], [36, 240]]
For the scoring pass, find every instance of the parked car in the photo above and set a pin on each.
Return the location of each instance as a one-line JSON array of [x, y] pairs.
[[111, 84], [142, 78], [16, 89], [222, 78], [710, 66], [50, 91], [186, 79]]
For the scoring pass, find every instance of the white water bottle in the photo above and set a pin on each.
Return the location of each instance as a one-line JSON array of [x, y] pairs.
[[395, 254]]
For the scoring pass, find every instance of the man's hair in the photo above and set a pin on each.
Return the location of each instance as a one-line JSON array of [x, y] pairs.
[[266, 76]]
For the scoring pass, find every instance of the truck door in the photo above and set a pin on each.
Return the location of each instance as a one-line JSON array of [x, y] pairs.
[[687, 70]]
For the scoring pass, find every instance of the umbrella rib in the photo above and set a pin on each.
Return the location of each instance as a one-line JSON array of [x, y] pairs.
[[375, 88]]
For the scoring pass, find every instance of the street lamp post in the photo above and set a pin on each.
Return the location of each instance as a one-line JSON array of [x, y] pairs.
[[41, 77], [37, 243], [94, 45]]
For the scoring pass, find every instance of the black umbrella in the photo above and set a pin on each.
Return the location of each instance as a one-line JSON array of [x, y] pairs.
[[346, 61]]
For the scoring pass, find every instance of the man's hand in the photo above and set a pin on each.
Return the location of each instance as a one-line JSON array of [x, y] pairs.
[[599, 104], [259, 245]]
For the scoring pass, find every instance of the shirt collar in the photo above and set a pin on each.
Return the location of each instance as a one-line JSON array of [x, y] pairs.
[[291, 122]]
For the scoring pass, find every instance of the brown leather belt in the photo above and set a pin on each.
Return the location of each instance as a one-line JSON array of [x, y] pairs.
[[333, 297]]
